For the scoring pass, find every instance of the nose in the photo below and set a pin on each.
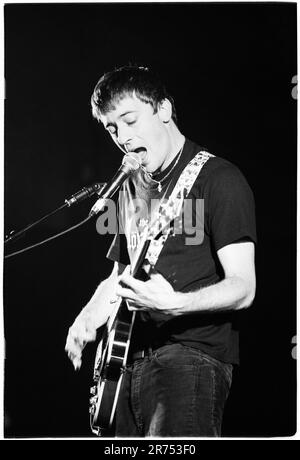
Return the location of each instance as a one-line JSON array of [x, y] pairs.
[[124, 135]]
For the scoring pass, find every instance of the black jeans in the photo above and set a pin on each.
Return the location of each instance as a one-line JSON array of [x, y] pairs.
[[177, 391]]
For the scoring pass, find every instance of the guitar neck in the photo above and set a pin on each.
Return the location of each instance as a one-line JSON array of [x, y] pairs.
[[136, 267]]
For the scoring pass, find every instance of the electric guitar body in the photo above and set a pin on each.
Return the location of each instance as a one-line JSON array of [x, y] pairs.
[[111, 359]]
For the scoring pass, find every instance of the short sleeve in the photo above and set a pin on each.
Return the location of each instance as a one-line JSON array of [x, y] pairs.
[[231, 207], [118, 250]]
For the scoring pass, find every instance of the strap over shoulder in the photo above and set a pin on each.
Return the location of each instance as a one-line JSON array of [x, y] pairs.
[[169, 210]]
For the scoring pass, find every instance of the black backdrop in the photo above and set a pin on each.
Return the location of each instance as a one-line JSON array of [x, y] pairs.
[[230, 69]]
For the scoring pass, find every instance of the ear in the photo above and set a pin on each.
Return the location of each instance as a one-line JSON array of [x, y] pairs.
[[165, 111]]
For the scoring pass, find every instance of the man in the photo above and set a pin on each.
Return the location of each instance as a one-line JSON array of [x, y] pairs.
[[185, 341]]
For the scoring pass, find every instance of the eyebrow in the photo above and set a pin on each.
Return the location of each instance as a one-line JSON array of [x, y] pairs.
[[127, 112], [122, 115]]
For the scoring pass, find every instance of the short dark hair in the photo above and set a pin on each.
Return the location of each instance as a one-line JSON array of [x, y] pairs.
[[128, 80]]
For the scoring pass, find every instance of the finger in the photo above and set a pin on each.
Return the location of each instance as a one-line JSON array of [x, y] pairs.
[[126, 293], [147, 267], [83, 334], [130, 281], [76, 363], [73, 343], [159, 281], [69, 342], [75, 358], [153, 274], [73, 349], [84, 339], [125, 272], [133, 306]]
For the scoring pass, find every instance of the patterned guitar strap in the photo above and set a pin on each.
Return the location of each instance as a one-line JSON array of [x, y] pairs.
[[169, 210]]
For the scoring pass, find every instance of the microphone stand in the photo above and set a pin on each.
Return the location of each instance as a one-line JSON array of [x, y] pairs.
[[84, 193]]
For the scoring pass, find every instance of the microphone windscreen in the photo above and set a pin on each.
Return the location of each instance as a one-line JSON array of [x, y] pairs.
[[132, 161]]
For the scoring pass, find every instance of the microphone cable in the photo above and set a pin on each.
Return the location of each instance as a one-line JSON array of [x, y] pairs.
[[84, 193], [48, 239], [129, 164]]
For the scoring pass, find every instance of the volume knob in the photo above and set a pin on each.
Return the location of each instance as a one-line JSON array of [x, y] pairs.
[[93, 390], [93, 400]]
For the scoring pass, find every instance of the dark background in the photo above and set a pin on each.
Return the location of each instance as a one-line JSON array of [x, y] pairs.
[[230, 69]]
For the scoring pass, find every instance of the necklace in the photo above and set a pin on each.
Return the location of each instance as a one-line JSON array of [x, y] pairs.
[[159, 186]]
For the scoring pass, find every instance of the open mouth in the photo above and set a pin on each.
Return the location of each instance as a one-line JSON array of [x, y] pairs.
[[140, 149], [142, 152]]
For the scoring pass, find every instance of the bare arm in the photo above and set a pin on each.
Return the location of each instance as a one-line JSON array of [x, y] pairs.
[[99, 307], [235, 291], [92, 316]]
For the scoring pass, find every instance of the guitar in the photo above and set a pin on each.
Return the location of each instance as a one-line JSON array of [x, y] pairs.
[[112, 351], [111, 359]]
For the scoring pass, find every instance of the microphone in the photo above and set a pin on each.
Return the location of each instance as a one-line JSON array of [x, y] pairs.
[[129, 165], [84, 193]]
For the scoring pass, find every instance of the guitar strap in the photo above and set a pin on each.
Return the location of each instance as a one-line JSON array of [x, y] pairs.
[[169, 210]]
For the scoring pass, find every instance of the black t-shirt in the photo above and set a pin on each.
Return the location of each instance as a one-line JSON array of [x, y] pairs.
[[229, 217]]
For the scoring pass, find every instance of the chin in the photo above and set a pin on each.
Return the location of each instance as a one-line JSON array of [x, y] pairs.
[[152, 169], [149, 169]]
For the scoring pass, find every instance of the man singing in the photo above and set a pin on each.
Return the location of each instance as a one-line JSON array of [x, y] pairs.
[[185, 338]]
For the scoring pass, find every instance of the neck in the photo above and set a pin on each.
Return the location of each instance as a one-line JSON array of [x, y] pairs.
[[176, 143]]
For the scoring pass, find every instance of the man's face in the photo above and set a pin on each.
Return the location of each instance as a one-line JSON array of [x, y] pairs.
[[134, 127]]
